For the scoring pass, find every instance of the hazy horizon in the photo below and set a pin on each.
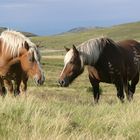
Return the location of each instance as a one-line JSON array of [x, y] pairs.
[[47, 17]]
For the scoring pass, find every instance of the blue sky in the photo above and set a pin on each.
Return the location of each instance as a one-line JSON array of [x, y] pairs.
[[45, 17]]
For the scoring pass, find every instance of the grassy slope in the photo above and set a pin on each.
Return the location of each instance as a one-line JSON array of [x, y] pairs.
[[51, 112], [124, 31]]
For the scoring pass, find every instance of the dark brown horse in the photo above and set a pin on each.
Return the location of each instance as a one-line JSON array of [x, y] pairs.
[[110, 62], [15, 49]]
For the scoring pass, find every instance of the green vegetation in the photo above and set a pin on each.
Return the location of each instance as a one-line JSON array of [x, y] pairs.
[[54, 113]]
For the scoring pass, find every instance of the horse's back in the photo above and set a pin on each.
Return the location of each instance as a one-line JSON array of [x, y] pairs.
[[118, 61], [131, 53], [130, 49], [129, 44]]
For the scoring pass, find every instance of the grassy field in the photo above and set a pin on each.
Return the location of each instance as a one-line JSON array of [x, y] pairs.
[[50, 112]]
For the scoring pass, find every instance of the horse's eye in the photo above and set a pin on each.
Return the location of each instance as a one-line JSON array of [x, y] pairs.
[[71, 62]]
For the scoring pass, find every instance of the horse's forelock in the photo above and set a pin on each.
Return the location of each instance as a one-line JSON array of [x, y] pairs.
[[68, 56]]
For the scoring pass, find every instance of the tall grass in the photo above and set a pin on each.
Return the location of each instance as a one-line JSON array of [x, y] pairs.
[[46, 117]]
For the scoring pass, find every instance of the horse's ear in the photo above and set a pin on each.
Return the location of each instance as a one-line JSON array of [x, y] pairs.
[[26, 45], [67, 49], [104, 41], [75, 50]]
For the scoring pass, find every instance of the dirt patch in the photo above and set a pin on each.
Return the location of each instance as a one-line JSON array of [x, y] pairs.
[[53, 57], [51, 50]]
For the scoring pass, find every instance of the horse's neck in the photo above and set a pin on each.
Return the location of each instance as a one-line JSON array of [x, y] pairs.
[[6, 68], [89, 55], [13, 61]]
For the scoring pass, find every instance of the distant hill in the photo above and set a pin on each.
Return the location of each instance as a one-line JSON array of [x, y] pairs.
[[80, 29], [25, 33]]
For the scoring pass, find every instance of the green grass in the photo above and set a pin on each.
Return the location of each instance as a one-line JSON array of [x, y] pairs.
[[45, 115], [50, 112]]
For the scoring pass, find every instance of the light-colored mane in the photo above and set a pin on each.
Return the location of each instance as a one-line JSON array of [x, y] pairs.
[[13, 41], [89, 51]]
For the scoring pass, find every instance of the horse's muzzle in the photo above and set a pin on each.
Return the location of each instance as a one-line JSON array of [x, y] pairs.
[[63, 83], [39, 81]]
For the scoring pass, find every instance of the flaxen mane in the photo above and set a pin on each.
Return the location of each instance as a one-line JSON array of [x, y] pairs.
[[13, 41], [90, 50]]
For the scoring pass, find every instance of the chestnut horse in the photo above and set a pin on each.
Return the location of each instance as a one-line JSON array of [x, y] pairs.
[[16, 49], [110, 62]]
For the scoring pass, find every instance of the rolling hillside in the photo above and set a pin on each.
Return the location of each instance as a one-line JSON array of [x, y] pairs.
[[119, 32]]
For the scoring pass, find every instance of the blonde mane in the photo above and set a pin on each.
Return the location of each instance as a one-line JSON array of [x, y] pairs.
[[89, 50], [13, 41]]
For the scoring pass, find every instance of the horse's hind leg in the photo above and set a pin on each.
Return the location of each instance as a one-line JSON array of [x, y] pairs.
[[129, 94], [132, 87], [120, 93], [134, 82]]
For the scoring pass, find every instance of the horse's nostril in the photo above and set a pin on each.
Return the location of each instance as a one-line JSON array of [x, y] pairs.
[[61, 82], [38, 81]]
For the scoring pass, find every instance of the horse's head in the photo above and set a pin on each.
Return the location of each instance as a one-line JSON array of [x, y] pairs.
[[17, 46], [30, 62], [72, 67]]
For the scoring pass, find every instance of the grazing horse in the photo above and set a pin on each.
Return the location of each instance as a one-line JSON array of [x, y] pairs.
[[18, 50], [110, 62]]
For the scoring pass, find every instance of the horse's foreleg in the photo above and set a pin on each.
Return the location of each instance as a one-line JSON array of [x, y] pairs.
[[2, 87], [96, 93], [9, 85], [24, 86], [95, 89], [17, 87]]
